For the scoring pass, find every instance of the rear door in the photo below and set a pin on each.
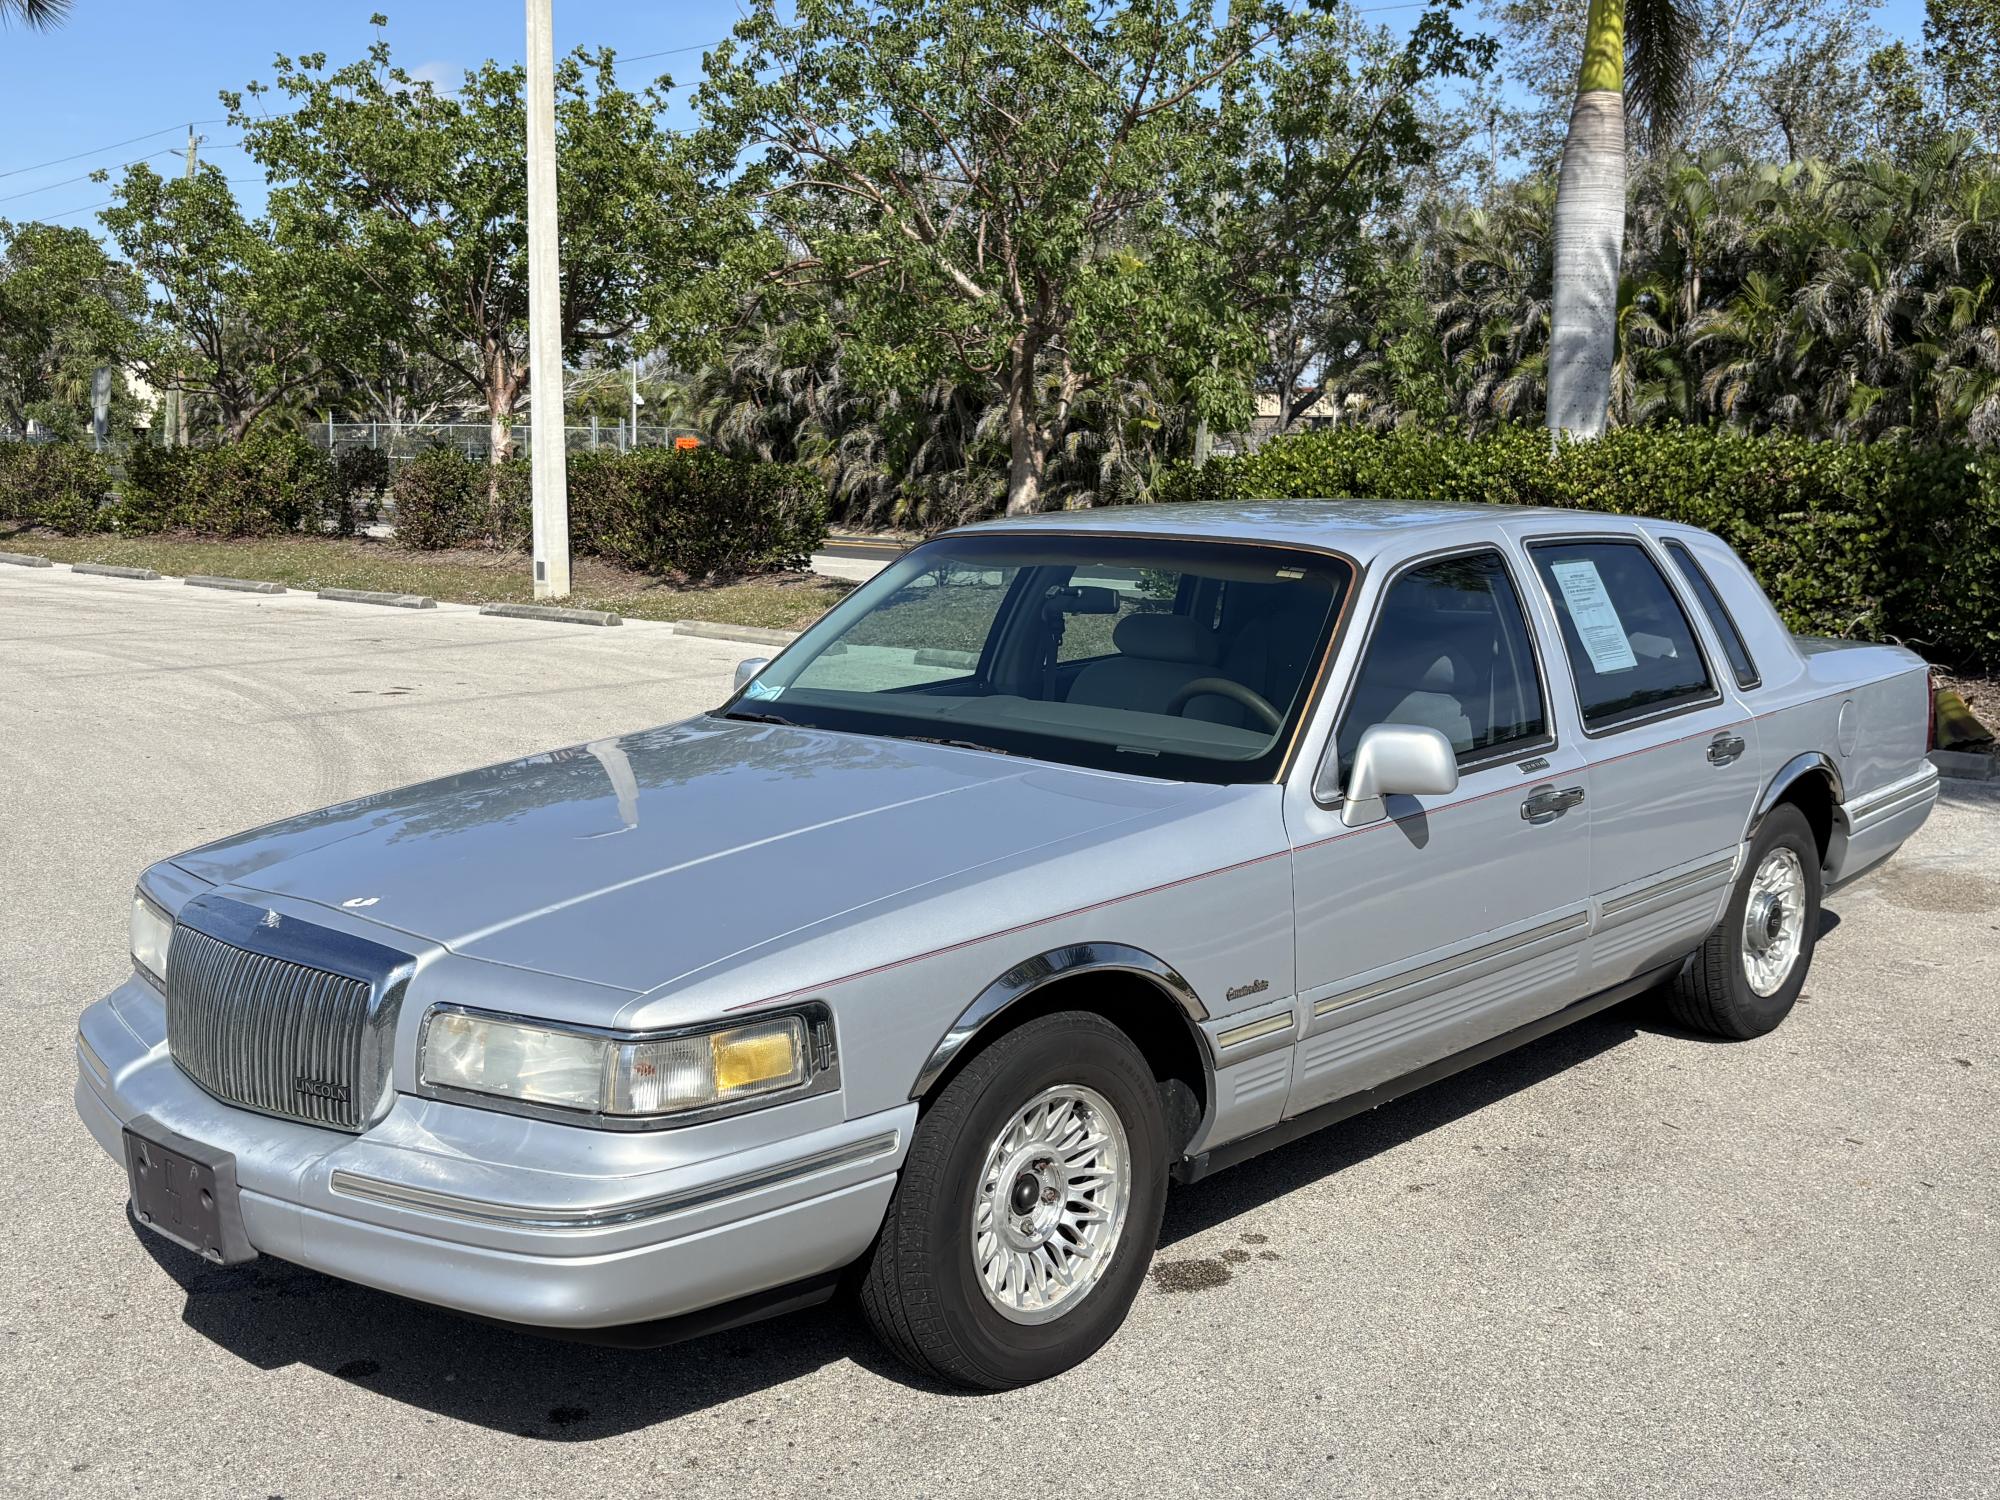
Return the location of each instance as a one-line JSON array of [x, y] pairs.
[[1456, 917], [1673, 763]]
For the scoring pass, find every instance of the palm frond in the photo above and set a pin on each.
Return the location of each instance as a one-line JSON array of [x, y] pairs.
[[1661, 38]]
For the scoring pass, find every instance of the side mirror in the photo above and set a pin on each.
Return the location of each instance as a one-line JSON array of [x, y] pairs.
[[745, 670], [1397, 760]]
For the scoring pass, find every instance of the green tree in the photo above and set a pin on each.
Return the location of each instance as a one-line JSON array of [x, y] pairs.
[[1962, 46], [1001, 191], [414, 204], [66, 308], [236, 320]]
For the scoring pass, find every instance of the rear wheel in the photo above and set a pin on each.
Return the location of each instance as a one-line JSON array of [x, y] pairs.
[[1028, 1210], [1746, 977]]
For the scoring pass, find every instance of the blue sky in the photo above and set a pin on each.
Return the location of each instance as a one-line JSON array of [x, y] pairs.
[[138, 68]]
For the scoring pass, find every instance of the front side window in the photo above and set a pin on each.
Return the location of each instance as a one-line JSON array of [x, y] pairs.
[[1188, 660], [1451, 651], [1629, 643]]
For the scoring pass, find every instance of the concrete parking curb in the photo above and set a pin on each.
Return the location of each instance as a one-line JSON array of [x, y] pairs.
[[756, 635], [240, 585], [1967, 765], [372, 596], [112, 570], [552, 612], [25, 560]]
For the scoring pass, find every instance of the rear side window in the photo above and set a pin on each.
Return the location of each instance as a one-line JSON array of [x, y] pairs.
[[1451, 651], [1718, 615], [1630, 643]]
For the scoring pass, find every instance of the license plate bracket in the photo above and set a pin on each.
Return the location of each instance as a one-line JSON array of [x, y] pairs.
[[186, 1191]]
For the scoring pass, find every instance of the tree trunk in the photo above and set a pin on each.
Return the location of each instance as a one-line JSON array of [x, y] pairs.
[[1589, 239], [1027, 450]]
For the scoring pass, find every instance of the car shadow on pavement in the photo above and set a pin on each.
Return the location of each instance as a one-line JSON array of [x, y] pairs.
[[270, 1313]]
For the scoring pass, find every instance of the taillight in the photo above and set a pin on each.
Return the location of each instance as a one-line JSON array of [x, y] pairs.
[[1930, 710]]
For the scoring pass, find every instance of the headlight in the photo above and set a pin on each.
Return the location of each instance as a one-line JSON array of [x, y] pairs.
[[626, 1078], [152, 936]]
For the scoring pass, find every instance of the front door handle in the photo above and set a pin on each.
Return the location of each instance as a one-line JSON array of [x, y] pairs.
[[1724, 748], [1547, 803]]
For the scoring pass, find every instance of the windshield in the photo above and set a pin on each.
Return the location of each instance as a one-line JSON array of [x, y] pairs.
[[1188, 660]]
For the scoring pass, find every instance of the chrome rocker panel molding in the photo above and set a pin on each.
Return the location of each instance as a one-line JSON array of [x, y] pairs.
[[1200, 1164], [1058, 963]]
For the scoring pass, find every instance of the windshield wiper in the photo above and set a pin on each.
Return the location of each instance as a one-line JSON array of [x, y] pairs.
[[748, 716], [926, 739]]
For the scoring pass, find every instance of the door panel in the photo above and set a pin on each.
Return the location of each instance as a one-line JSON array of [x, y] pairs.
[[1451, 921], [1456, 917], [1673, 756]]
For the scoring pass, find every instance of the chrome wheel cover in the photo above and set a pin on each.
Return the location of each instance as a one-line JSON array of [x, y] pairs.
[[1774, 921], [1051, 1203]]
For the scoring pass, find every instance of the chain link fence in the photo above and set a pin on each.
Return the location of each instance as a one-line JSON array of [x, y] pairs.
[[405, 440]]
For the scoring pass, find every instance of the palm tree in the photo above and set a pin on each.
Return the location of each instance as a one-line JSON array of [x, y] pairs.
[[39, 14], [1657, 39]]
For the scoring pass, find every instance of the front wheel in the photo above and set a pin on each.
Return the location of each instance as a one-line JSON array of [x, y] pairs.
[[1746, 977], [1028, 1210]]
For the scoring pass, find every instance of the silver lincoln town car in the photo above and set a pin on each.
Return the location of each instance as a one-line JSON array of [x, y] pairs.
[[1069, 855]]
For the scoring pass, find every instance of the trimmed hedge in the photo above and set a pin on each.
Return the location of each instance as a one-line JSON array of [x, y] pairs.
[[656, 509], [695, 512], [1877, 541], [270, 482], [444, 499], [62, 485]]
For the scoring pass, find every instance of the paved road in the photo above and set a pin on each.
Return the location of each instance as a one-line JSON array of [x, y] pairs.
[[1622, 1262]]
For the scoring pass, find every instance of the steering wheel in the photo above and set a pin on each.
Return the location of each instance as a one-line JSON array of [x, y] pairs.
[[1236, 692]]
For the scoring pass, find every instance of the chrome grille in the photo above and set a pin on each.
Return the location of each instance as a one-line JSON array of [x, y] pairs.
[[273, 1034]]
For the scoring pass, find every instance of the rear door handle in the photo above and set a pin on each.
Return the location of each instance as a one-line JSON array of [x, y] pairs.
[[1724, 748], [1547, 803]]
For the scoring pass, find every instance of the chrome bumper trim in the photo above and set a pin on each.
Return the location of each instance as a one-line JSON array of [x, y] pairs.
[[93, 1064], [527, 1216], [1898, 797]]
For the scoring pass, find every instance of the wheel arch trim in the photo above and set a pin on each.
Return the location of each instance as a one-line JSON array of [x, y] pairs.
[[1068, 961], [1794, 770]]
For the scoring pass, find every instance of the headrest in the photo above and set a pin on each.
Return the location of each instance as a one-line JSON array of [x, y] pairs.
[[1439, 677], [1166, 638]]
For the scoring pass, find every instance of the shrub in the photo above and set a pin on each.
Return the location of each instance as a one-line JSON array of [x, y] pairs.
[[1874, 540], [443, 499], [60, 485], [695, 513], [269, 482], [360, 475]]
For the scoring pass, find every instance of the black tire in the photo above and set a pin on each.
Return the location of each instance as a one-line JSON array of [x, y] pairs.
[[920, 1289], [1712, 993]]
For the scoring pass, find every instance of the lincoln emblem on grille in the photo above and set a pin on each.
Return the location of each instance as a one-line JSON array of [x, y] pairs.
[[321, 1089]]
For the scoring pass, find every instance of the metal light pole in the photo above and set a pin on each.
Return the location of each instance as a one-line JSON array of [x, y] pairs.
[[545, 377]]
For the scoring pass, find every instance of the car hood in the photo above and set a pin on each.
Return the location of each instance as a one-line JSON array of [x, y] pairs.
[[640, 860]]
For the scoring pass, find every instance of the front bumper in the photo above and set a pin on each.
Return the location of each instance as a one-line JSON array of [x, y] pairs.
[[520, 1220]]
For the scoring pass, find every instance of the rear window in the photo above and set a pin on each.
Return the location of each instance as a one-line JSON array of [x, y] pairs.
[[1718, 615]]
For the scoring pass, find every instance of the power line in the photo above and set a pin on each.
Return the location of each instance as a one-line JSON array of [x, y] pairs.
[[85, 177], [99, 150], [93, 207]]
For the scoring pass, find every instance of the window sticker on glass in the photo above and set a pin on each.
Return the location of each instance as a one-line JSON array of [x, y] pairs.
[[1590, 610]]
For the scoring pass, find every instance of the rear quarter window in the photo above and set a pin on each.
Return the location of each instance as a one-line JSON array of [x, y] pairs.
[[1724, 624]]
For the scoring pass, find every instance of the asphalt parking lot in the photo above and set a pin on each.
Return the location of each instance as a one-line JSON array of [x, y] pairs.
[[1621, 1262]]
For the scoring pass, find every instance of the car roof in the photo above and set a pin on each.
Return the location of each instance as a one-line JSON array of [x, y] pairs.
[[1361, 529]]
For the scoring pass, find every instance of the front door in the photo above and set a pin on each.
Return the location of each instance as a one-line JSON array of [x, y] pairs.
[[1673, 754], [1458, 917]]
